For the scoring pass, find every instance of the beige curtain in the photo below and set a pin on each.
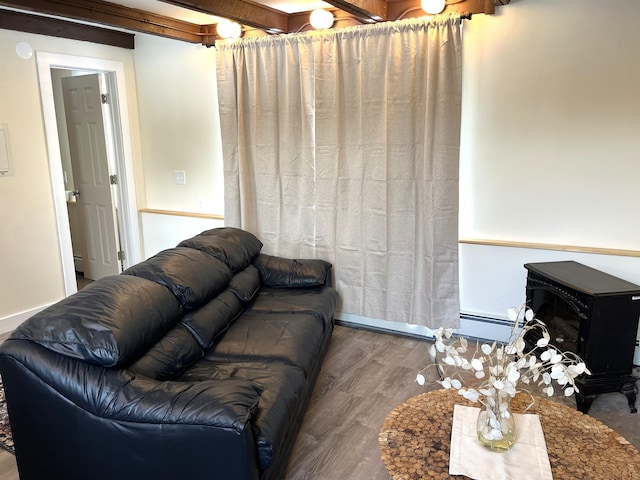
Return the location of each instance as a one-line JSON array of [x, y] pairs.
[[343, 145]]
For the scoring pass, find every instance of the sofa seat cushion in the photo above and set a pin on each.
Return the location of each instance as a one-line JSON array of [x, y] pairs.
[[192, 276], [110, 323], [281, 389], [271, 338], [318, 301]]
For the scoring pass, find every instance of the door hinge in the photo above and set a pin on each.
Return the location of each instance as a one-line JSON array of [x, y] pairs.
[[113, 179], [121, 256], [104, 98]]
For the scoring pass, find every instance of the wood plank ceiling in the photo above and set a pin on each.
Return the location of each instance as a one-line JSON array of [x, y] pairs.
[[82, 19]]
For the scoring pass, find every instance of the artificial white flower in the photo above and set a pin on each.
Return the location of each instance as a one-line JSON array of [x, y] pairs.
[[500, 368], [486, 348]]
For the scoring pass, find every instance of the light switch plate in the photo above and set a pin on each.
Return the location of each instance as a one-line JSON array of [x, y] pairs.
[[5, 151]]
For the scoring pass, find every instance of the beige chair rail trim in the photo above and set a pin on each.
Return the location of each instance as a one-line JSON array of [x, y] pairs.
[[546, 246], [153, 211]]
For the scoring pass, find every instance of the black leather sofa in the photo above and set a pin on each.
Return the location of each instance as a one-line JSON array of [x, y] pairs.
[[195, 364]]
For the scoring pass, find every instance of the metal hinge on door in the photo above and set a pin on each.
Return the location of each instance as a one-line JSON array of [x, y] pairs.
[[121, 258], [104, 98], [113, 179]]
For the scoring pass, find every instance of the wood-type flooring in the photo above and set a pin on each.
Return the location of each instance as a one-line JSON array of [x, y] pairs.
[[364, 376]]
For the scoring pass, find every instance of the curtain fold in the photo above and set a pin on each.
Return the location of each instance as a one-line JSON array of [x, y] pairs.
[[343, 145]]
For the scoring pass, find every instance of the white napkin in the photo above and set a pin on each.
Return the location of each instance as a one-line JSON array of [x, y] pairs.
[[527, 459]]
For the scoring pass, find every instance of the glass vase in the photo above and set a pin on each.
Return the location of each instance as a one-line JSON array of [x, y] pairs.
[[496, 425]]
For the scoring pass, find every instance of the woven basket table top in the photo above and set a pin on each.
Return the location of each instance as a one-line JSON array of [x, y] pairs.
[[415, 440]]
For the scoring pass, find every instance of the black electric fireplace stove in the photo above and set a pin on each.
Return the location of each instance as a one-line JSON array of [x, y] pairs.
[[592, 314]]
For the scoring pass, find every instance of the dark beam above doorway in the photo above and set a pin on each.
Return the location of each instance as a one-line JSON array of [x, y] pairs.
[[110, 14]]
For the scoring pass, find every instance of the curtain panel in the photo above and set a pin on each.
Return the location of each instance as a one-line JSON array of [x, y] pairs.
[[343, 145]]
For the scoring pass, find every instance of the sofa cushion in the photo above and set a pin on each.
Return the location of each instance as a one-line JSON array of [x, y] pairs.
[[213, 319], [246, 283], [282, 338], [281, 395], [177, 350], [111, 322], [318, 301], [288, 273], [192, 276], [234, 247]]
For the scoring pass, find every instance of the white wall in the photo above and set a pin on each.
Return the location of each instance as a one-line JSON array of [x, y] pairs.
[[551, 116], [162, 231], [550, 151], [171, 85], [30, 263], [550, 143], [549, 146], [179, 124]]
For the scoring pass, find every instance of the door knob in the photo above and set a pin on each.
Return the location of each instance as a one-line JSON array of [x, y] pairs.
[[75, 193]]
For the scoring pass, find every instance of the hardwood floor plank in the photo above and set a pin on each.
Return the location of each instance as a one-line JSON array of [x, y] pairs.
[[364, 376], [8, 467]]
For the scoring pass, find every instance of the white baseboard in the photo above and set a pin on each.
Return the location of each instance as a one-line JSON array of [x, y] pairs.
[[7, 324], [471, 326]]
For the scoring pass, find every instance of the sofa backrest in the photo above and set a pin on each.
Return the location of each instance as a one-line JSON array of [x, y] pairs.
[[158, 315], [212, 276], [194, 277], [109, 323], [234, 247]]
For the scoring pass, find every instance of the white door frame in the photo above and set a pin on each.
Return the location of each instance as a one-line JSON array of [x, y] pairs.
[[128, 210]]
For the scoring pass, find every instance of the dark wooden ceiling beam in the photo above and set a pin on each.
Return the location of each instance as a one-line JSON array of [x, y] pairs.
[[245, 13], [412, 8], [369, 10], [24, 22], [106, 13]]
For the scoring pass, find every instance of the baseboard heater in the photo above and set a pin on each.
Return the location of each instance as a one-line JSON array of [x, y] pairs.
[[473, 327], [78, 263]]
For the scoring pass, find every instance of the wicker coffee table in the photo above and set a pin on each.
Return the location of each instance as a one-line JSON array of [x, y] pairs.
[[415, 440]]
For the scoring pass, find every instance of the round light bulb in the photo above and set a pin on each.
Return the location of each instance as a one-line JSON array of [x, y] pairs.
[[228, 29], [321, 19], [433, 6]]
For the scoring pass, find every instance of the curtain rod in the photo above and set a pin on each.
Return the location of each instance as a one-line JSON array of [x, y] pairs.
[[463, 16]]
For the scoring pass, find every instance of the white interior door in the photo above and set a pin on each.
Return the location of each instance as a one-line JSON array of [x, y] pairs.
[[89, 161]]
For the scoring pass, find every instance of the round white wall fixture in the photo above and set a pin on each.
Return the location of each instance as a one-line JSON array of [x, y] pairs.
[[24, 50]]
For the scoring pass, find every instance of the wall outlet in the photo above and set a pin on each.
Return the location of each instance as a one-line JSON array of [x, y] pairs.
[[179, 177]]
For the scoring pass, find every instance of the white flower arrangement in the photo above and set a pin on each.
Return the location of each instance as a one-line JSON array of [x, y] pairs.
[[499, 369]]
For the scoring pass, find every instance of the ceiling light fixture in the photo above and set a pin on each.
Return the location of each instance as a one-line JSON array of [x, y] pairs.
[[228, 30], [433, 6], [321, 19]]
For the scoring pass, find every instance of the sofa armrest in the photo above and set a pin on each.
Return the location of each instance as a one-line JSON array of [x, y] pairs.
[[286, 272], [117, 394], [116, 425]]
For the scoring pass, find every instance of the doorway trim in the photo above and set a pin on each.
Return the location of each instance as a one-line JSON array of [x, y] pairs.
[[128, 210]]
